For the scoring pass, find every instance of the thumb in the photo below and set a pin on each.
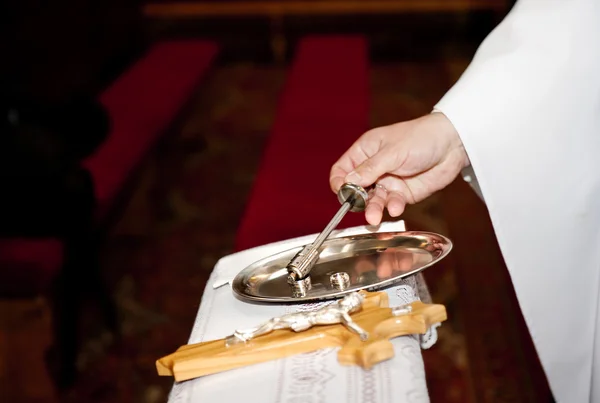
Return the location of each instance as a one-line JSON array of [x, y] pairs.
[[370, 170]]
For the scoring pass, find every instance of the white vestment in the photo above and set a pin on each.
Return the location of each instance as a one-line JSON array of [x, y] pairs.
[[528, 112]]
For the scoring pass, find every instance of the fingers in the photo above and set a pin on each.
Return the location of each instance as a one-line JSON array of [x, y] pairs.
[[391, 262], [380, 199], [363, 162], [375, 206], [384, 265], [337, 178], [395, 204], [346, 164], [370, 170], [404, 261]]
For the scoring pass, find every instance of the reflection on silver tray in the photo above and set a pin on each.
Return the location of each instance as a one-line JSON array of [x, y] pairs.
[[346, 264]]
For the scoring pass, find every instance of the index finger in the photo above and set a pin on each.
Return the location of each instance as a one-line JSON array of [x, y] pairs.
[[336, 178], [352, 158]]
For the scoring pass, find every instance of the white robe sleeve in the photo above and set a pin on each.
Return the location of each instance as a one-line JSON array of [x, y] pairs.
[[528, 112]]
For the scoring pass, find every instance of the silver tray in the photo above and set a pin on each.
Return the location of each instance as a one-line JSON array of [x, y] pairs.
[[346, 264]]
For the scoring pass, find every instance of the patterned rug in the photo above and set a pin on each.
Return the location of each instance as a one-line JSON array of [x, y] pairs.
[[184, 214]]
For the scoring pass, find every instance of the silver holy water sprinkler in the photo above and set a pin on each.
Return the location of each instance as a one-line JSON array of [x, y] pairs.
[[330, 268], [353, 198]]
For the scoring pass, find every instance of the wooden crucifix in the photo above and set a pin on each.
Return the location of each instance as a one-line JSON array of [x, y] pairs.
[[361, 324]]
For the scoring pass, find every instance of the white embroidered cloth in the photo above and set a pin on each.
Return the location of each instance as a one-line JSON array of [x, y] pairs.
[[306, 378]]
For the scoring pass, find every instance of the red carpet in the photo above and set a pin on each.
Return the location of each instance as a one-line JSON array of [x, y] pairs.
[[323, 109], [141, 104]]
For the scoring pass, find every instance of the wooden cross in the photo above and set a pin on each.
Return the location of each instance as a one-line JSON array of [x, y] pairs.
[[362, 331]]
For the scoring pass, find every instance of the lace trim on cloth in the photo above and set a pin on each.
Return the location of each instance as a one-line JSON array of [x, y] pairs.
[[316, 376], [412, 289]]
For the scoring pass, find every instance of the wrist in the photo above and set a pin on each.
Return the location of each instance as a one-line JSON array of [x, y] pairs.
[[446, 129]]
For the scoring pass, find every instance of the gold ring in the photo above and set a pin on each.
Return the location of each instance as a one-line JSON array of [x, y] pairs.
[[380, 186]]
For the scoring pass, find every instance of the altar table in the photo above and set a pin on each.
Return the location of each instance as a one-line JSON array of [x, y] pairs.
[[306, 378]]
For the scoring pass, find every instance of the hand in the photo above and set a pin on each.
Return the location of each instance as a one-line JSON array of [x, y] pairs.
[[409, 161]]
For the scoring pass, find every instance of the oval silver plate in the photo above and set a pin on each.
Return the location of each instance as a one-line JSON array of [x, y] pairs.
[[369, 261]]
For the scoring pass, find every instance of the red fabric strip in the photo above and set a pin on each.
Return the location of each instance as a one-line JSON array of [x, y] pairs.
[[324, 108]]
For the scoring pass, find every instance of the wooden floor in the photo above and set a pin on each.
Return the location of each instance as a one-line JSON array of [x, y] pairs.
[[24, 335]]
